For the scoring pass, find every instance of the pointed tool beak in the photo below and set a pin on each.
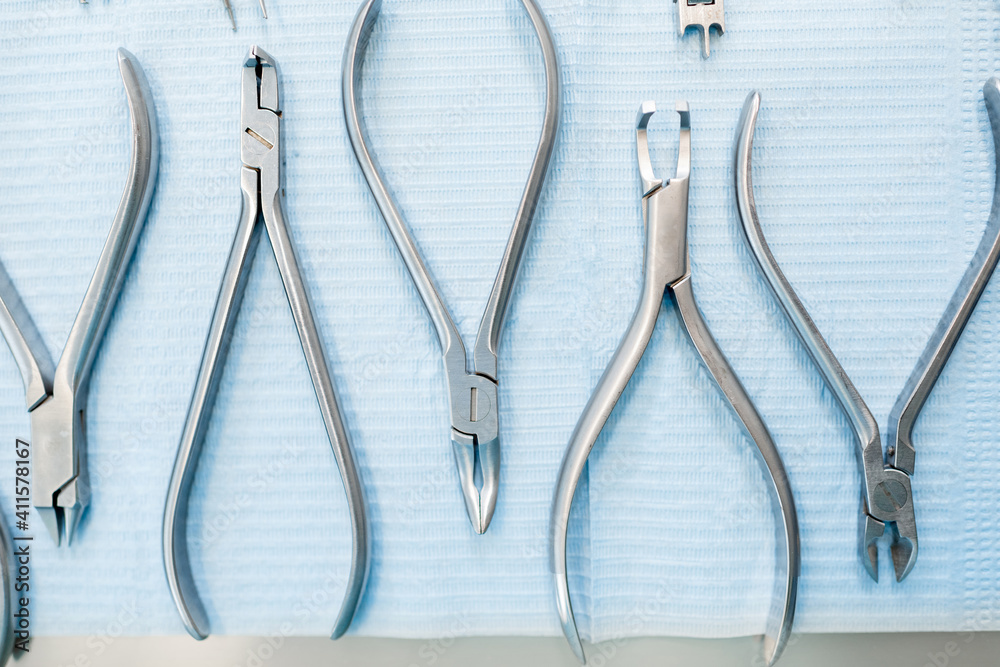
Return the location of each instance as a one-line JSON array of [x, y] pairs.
[[480, 501], [59, 520], [904, 544]]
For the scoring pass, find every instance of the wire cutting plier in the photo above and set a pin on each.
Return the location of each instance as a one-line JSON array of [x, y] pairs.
[[886, 492]]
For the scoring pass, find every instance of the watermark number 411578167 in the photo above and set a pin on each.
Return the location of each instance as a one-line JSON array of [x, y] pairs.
[[21, 546]]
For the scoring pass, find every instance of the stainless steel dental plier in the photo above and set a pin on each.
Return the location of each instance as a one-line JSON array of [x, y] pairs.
[[262, 182], [886, 494], [57, 397], [667, 270], [472, 388]]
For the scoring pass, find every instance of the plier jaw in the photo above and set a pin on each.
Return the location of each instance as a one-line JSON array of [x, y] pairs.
[[60, 491], [475, 439], [887, 502], [665, 204], [260, 115]]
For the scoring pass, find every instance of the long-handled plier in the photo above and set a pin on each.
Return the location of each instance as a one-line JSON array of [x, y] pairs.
[[667, 270], [472, 393], [263, 185], [886, 492], [57, 397]]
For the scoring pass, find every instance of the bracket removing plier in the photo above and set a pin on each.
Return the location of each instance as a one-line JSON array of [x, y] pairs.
[[667, 271]]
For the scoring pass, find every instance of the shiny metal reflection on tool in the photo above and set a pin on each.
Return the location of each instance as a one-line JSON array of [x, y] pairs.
[[667, 271], [232, 17], [263, 185], [56, 395], [703, 15], [886, 493], [472, 388]]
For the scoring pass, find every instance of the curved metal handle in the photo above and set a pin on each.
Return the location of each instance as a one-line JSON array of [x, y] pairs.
[[862, 421], [956, 314], [886, 494], [588, 428], [350, 81], [25, 343], [60, 489], [176, 561], [81, 346], [326, 395], [491, 326], [788, 550], [175, 547]]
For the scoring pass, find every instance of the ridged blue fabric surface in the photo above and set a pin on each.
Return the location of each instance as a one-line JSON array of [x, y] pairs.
[[874, 177]]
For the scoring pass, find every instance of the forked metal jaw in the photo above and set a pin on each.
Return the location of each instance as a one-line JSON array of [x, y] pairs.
[[886, 510], [667, 270], [703, 15], [479, 487]]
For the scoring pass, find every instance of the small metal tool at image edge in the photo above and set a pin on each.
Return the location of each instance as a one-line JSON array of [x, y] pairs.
[[472, 388], [263, 185], [703, 15], [56, 396], [667, 271]]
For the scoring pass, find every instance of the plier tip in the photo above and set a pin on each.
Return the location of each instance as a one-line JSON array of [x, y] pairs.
[[480, 501]]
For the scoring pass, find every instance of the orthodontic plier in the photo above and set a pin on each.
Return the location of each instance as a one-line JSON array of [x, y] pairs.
[[263, 185], [472, 388], [667, 270], [886, 491], [56, 396]]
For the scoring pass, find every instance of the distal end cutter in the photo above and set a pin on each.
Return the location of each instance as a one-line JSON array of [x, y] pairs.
[[886, 497], [56, 395], [886, 494], [475, 425], [667, 269], [262, 182]]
